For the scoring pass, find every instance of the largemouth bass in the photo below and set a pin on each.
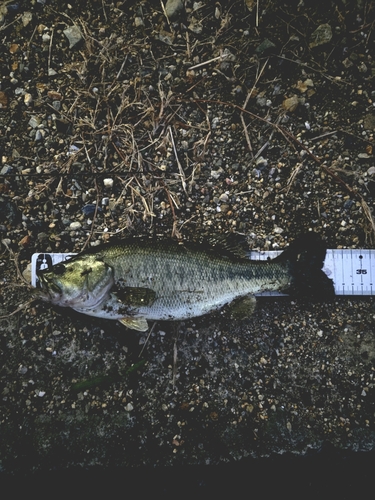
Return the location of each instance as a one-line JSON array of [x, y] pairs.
[[134, 281]]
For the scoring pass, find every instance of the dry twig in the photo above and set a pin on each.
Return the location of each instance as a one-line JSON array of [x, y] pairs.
[[181, 170]]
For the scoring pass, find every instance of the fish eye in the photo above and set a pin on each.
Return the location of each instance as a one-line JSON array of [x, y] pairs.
[[59, 269]]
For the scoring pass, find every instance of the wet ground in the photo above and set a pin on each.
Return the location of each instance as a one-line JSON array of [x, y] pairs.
[[197, 122]]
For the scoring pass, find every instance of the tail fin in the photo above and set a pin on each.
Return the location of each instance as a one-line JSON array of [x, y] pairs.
[[306, 256]]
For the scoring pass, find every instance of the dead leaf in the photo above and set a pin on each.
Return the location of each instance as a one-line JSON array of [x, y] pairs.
[[250, 4], [303, 86], [3, 100], [26, 240], [14, 48], [321, 36], [195, 26], [42, 87], [291, 103], [55, 96]]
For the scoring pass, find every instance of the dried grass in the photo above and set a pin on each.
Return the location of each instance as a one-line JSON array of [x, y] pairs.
[[117, 122]]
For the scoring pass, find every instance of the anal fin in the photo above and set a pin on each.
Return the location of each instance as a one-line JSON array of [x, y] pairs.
[[139, 324], [243, 308]]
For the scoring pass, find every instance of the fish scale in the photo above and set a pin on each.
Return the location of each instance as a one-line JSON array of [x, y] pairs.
[[190, 283]]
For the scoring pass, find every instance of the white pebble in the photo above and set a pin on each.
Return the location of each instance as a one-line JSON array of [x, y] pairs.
[[75, 225], [108, 183], [216, 173], [28, 99]]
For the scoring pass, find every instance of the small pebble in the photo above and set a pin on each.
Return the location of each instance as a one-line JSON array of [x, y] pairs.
[[89, 209], [34, 122], [108, 183], [261, 163], [138, 22], [74, 35], [38, 135], [173, 8], [26, 18]]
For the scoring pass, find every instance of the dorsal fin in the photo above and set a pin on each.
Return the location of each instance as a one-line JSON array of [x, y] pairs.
[[231, 245]]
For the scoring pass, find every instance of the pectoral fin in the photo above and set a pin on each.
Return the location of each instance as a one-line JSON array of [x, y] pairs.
[[243, 307], [134, 296], [139, 324]]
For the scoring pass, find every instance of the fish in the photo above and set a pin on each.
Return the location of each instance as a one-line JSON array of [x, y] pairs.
[[136, 281]]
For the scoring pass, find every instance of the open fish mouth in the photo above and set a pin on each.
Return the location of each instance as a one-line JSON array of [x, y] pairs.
[[48, 291]]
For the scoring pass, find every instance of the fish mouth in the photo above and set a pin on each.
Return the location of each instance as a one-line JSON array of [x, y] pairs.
[[48, 290]]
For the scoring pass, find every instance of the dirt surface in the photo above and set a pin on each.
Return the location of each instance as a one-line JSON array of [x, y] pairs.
[[196, 118]]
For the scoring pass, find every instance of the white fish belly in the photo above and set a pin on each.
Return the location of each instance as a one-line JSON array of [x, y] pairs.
[[176, 304]]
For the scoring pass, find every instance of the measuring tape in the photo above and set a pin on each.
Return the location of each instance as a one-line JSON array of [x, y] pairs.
[[352, 271]]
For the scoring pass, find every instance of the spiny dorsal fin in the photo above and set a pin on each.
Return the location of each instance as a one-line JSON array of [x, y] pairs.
[[230, 245]]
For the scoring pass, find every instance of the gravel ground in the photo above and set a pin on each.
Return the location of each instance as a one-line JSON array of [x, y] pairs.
[[197, 118]]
